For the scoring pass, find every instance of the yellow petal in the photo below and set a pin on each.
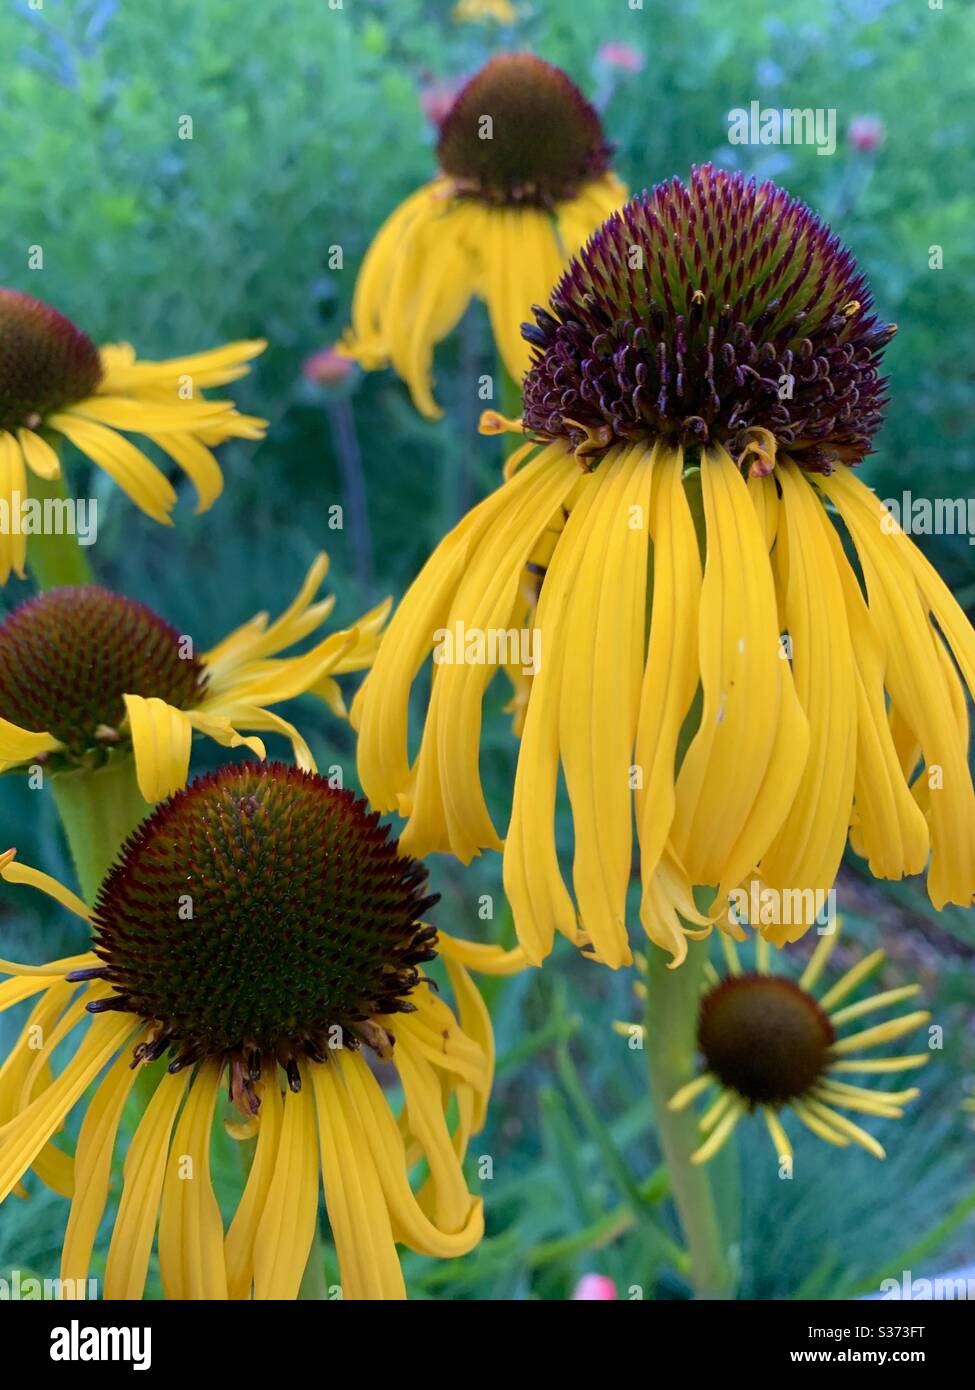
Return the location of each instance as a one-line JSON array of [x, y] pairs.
[[161, 740], [239, 1245], [190, 1227], [138, 478], [41, 458], [287, 1225], [368, 1264], [143, 1176], [13, 492]]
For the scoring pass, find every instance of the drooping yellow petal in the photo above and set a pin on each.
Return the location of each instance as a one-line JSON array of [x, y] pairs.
[[136, 475], [287, 1225], [161, 740], [410, 1223], [93, 1168], [605, 617], [143, 1176], [13, 493], [242, 1234], [521, 262], [889, 829], [449, 811], [670, 677], [27, 1134], [190, 1227], [368, 1264], [916, 681], [533, 883], [809, 845], [741, 771], [197, 462]]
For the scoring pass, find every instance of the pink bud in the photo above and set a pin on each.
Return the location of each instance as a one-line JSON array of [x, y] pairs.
[[594, 1288], [620, 55], [437, 98], [328, 367], [866, 133]]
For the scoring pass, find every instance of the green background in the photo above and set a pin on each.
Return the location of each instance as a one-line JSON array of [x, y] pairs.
[[307, 130]]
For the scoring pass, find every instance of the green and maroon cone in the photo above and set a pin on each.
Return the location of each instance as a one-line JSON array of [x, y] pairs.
[[68, 656], [46, 362], [764, 1037], [260, 916], [520, 132], [697, 313]]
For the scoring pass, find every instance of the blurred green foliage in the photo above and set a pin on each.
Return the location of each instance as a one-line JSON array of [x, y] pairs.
[[307, 129]]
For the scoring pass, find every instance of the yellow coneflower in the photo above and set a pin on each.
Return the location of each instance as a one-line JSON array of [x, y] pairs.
[[260, 928], [524, 179], [55, 382], [88, 676], [710, 657], [478, 11], [772, 1044]]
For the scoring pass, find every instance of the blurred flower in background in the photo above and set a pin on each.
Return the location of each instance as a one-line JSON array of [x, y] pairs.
[[594, 1288], [480, 11], [616, 54], [524, 179], [866, 133]]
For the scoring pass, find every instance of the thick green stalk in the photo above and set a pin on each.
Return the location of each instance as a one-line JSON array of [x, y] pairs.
[[99, 809], [670, 1033], [55, 560]]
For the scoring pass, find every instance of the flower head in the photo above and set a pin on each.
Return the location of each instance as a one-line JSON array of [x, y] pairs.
[[675, 536], [54, 382], [772, 1044], [705, 314], [624, 56], [87, 675], [866, 133], [259, 930], [524, 179]]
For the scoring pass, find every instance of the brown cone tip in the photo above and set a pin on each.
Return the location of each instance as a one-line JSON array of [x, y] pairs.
[[699, 312], [262, 915], [68, 656], [46, 362], [521, 132], [764, 1038]]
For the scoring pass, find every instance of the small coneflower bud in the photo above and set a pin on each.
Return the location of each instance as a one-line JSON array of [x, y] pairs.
[[594, 1288], [624, 56], [262, 916], [328, 367], [520, 131], [866, 133], [69, 657], [46, 362], [702, 312]]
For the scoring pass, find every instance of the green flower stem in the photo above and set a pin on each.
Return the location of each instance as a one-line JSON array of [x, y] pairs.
[[670, 1039], [99, 809], [55, 560]]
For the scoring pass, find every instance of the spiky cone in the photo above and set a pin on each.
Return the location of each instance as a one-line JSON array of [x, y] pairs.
[[704, 381]]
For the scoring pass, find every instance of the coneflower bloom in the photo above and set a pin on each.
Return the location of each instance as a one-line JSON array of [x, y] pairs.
[[524, 179], [87, 675], [772, 1044], [54, 382], [736, 639], [480, 11], [261, 930]]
